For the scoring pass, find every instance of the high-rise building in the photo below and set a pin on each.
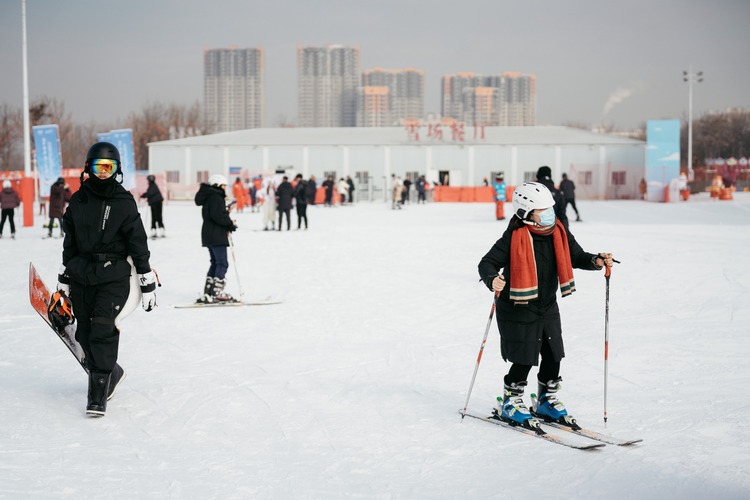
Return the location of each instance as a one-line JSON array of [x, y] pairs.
[[505, 99], [405, 90], [327, 82], [373, 107], [233, 88]]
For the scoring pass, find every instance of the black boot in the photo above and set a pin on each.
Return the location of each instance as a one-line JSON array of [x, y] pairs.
[[118, 375], [98, 391], [208, 291]]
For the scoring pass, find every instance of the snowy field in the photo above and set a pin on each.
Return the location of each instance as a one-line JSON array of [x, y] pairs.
[[350, 388]]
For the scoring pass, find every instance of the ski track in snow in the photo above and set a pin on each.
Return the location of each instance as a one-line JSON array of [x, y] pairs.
[[350, 388]]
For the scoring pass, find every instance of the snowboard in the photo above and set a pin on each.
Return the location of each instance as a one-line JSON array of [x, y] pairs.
[[39, 296], [265, 302]]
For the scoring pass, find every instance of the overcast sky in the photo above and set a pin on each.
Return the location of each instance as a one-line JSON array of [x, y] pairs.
[[596, 61]]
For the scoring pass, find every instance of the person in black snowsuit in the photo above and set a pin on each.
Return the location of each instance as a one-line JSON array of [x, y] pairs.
[[421, 188], [568, 189], [155, 200], [300, 198], [103, 228], [534, 254], [328, 185], [284, 197], [544, 176], [59, 195], [9, 200], [312, 190], [215, 236], [350, 182]]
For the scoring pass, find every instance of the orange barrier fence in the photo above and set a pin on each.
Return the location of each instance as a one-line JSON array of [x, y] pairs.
[[483, 194]]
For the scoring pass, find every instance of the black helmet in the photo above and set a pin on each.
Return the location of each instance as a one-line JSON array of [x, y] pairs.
[[103, 150], [150, 178]]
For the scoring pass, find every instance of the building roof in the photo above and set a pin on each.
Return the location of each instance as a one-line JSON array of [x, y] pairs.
[[399, 136]]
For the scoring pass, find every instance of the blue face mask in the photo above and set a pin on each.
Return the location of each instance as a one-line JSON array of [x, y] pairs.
[[547, 218]]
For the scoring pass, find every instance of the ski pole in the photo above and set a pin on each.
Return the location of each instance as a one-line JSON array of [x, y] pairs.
[[607, 273], [479, 357], [234, 261]]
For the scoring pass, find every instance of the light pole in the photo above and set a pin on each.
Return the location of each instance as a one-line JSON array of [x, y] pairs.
[[690, 77]]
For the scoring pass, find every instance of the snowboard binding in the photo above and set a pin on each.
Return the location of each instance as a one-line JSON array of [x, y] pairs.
[[60, 311]]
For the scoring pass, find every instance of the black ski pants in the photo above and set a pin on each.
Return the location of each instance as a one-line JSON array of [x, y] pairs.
[[156, 220], [282, 213], [301, 214], [95, 308], [8, 214]]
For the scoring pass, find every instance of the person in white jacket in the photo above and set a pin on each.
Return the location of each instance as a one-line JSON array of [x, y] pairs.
[[268, 190], [343, 188]]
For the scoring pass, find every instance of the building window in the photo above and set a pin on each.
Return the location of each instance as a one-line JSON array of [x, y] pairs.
[[585, 178], [412, 176], [618, 178], [363, 178], [202, 176], [173, 176], [529, 176], [329, 173]]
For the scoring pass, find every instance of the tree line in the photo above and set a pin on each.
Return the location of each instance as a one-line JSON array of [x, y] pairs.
[[717, 134], [154, 122]]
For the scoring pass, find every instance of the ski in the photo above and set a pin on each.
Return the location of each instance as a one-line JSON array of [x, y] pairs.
[[198, 305], [574, 428], [552, 438]]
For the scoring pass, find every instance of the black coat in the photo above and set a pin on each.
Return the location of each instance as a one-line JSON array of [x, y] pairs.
[[216, 221], [568, 189], [301, 194], [559, 200], [284, 195], [100, 233], [153, 194], [522, 325]]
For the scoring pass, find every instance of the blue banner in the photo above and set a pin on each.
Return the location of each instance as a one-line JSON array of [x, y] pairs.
[[662, 150], [48, 160], [123, 140]]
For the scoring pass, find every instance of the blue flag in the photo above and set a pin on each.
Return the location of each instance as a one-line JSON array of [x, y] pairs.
[[48, 160]]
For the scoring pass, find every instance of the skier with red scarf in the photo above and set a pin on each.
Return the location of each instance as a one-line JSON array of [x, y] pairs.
[[535, 254]]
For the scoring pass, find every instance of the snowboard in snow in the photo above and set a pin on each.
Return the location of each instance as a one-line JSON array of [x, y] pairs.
[[265, 302], [39, 295]]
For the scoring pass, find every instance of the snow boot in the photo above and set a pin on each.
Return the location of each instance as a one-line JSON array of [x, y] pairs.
[[219, 295], [548, 407], [208, 291], [153, 234], [118, 375], [512, 409], [98, 390]]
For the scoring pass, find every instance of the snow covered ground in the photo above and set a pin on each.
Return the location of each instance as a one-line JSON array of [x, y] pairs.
[[350, 388]]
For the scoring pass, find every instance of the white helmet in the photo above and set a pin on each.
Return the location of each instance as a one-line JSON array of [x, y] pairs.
[[6, 184], [531, 196], [217, 180]]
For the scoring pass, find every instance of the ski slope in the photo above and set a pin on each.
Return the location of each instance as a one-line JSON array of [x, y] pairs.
[[351, 387]]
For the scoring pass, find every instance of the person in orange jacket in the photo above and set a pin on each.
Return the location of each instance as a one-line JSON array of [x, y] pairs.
[[238, 191]]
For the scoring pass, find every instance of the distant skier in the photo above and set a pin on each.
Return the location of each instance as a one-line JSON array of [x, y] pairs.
[[301, 193], [568, 189], [102, 229], [155, 200], [284, 197], [544, 176], [59, 196], [499, 187], [217, 225], [535, 253], [9, 201]]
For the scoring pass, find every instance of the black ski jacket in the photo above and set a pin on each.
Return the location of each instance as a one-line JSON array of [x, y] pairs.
[[216, 221], [300, 193], [284, 195], [522, 325], [100, 233], [153, 194]]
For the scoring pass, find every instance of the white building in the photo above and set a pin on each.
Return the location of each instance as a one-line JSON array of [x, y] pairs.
[[602, 166]]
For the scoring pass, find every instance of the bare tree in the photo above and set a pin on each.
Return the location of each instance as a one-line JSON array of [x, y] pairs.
[[11, 138]]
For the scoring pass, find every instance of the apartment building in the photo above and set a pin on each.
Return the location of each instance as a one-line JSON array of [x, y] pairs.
[[233, 88], [327, 82], [374, 107], [405, 91], [508, 99]]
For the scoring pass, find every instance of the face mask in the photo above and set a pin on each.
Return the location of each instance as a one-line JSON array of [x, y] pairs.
[[547, 218]]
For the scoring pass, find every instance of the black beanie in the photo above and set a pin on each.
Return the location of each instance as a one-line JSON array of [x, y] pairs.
[[543, 172]]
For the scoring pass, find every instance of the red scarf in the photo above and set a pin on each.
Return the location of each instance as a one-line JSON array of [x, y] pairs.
[[523, 279]]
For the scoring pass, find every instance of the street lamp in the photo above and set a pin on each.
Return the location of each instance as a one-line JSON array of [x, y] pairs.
[[690, 77]]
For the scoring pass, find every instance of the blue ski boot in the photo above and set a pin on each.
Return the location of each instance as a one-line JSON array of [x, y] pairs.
[[548, 407], [512, 409]]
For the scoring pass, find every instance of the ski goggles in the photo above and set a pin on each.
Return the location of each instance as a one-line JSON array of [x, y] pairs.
[[103, 166]]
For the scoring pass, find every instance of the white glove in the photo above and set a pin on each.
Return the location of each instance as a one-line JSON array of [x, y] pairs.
[[63, 281], [148, 290]]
